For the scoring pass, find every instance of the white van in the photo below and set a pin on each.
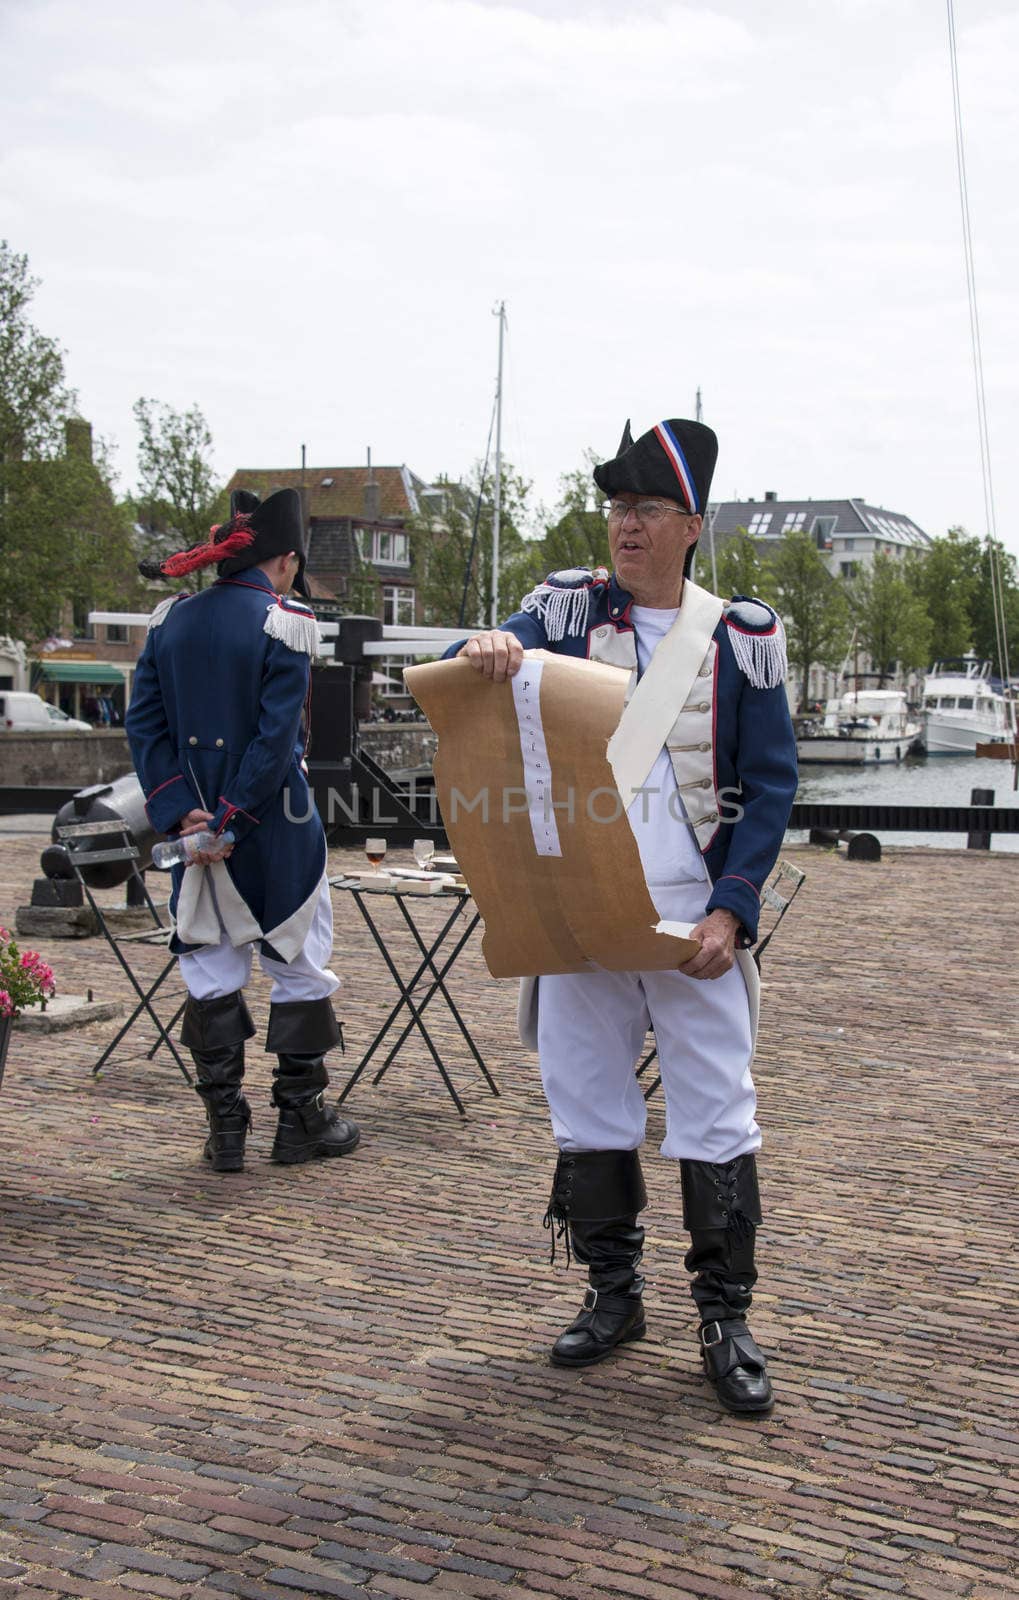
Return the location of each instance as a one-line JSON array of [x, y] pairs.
[[29, 713]]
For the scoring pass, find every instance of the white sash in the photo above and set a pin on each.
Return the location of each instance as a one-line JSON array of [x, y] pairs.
[[648, 718]]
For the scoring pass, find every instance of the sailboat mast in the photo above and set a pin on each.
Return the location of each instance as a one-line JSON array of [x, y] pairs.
[[997, 591], [497, 495]]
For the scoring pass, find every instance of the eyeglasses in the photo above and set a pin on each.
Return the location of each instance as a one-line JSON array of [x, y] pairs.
[[644, 510]]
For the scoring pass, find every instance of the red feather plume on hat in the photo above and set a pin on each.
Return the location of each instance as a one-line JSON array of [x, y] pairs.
[[234, 536]]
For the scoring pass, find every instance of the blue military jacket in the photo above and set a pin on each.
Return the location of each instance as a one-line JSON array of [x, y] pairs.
[[733, 749], [216, 722]]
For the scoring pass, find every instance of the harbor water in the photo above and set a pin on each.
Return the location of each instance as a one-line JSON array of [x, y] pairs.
[[918, 781]]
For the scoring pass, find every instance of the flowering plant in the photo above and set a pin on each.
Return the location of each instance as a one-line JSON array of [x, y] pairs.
[[25, 979]]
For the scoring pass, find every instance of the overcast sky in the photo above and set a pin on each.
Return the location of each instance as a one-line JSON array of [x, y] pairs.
[[300, 216]]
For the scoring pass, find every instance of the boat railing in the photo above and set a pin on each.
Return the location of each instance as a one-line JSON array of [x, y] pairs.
[[969, 667]]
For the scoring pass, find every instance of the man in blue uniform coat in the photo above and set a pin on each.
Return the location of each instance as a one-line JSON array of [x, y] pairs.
[[711, 802], [217, 726]]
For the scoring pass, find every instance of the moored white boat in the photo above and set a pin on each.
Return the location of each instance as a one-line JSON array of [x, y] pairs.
[[962, 708], [861, 728]]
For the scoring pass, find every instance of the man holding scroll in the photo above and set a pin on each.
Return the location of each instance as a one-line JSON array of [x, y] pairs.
[[709, 812]]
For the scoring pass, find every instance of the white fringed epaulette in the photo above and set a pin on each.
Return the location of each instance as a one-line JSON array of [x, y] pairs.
[[163, 610], [562, 602], [758, 641], [293, 626]]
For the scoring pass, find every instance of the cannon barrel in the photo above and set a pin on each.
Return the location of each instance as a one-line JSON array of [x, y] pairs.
[[123, 800]]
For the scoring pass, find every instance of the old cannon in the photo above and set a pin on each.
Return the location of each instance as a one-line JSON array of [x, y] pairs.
[[121, 801]]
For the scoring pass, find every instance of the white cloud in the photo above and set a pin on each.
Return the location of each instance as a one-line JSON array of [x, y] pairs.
[[300, 216]]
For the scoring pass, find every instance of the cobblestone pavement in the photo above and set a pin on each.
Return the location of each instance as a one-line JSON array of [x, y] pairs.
[[331, 1380]]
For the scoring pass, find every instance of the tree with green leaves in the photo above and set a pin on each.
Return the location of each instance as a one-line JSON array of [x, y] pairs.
[[578, 534], [179, 496], [945, 578], [740, 567], [953, 579], [985, 633], [892, 621], [34, 399], [813, 606], [441, 549], [62, 536]]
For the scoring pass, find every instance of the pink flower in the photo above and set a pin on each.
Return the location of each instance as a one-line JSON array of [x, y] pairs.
[[38, 974], [33, 962], [6, 1004]]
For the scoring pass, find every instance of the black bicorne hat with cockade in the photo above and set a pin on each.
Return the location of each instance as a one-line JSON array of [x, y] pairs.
[[257, 531], [674, 459]]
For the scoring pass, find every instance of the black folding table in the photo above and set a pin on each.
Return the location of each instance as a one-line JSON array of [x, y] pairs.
[[419, 986]]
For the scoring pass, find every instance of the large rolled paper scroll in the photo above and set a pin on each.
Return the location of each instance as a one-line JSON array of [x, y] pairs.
[[535, 819]]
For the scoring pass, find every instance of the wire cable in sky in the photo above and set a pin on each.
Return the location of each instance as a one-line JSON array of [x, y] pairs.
[[1001, 635]]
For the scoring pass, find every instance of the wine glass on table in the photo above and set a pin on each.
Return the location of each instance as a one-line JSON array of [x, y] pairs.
[[424, 852], [375, 850]]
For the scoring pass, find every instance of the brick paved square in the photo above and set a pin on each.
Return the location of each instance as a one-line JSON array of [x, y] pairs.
[[331, 1379]]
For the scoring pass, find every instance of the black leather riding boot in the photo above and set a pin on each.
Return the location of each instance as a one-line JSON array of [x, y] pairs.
[[722, 1211], [214, 1031], [300, 1033], [596, 1195]]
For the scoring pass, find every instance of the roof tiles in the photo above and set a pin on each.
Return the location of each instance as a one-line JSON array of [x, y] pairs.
[[337, 491]]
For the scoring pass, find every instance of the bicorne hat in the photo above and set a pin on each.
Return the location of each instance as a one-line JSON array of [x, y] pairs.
[[674, 459], [257, 531]]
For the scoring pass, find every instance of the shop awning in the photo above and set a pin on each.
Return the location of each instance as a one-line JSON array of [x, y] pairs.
[[80, 672]]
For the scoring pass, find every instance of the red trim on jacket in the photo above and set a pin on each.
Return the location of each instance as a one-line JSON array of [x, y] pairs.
[[753, 633], [714, 742], [739, 879], [239, 583], [297, 607], [232, 811], [178, 778]]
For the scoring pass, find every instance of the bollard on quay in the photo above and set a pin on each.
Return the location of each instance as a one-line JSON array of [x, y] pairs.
[[979, 838], [859, 846]]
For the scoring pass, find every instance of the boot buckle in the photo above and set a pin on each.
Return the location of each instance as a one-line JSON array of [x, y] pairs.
[[590, 1299], [709, 1343]]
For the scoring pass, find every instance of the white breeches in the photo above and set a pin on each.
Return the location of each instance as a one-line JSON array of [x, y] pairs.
[[219, 969], [592, 1028]]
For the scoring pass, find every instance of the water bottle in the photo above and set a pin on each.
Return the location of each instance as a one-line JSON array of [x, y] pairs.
[[174, 851]]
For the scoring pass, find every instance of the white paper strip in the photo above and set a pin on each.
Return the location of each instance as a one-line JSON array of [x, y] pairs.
[[537, 772]]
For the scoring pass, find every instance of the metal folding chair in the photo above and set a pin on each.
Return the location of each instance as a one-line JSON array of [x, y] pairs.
[[778, 896], [78, 839]]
